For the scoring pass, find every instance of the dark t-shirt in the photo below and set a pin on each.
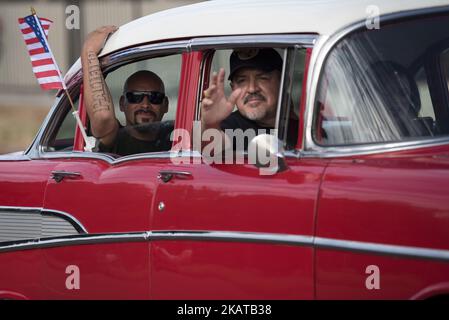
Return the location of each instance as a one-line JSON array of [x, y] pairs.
[[125, 144], [235, 121]]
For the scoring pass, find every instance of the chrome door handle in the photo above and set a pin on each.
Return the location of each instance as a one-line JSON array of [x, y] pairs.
[[58, 176], [167, 175]]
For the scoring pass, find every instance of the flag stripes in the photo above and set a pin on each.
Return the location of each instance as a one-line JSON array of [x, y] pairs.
[[42, 60]]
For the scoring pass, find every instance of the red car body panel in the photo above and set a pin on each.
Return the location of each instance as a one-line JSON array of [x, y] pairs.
[[226, 198], [224, 231], [395, 199], [23, 183], [109, 271], [220, 270]]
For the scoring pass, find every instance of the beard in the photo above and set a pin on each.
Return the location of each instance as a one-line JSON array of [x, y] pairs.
[[145, 116], [254, 114], [148, 125]]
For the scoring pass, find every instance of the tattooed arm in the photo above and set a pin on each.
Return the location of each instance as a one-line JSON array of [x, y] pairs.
[[97, 98]]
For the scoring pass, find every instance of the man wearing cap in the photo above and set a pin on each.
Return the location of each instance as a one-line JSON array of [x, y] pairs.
[[255, 79]]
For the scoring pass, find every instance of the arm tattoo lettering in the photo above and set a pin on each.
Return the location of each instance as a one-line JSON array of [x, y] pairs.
[[100, 96]]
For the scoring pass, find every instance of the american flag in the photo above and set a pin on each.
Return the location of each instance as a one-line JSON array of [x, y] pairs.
[[42, 59]]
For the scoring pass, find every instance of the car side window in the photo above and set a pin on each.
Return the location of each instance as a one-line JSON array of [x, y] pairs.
[[167, 68], [380, 86], [289, 93], [145, 96], [63, 124], [153, 132]]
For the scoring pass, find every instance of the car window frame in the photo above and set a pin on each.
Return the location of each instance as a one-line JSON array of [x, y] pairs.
[[61, 107], [290, 43], [116, 59], [323, 48]]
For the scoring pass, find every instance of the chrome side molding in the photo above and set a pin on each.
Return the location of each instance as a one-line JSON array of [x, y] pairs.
[[231, 236]]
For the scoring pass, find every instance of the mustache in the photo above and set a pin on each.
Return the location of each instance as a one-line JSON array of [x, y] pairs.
[[145, 111], [253, 95]]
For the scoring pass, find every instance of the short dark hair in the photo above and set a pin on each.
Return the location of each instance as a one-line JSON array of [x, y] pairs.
[[147, 73]]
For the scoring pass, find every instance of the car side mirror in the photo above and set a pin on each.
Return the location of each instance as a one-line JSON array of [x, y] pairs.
[[266, 152]]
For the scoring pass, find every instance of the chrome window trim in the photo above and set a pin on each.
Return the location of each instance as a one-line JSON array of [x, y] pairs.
[[143, 156], [16, 156], [322, 48], [245, 41], [124, 55], [347, 151], [113, 161], [233, 236]]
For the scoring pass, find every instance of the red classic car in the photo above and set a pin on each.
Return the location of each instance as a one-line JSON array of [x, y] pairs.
[[358, 208]]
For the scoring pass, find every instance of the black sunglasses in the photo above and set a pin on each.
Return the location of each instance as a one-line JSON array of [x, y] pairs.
[[155, 97]]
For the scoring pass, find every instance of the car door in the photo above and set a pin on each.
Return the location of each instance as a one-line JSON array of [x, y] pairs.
[[382, 218], [22, 187], [226, 231], [109, 198]]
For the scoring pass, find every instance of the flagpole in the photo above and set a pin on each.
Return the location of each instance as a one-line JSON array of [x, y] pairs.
[[89, 144]]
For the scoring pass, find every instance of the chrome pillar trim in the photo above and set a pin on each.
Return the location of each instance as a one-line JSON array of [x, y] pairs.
[[281, 92], [230, 42], [232, 236], [322, 48], [382, 249]]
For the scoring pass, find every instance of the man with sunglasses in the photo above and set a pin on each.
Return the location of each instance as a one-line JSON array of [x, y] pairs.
[[143, 102]]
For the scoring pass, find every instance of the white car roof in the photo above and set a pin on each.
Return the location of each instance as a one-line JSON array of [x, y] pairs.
[[237, 17], [246, 17]]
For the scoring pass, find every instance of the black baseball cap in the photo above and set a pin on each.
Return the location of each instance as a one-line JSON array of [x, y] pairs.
[[266, 59]]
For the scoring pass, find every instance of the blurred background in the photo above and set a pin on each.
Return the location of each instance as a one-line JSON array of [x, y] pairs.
[[23, 105]]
